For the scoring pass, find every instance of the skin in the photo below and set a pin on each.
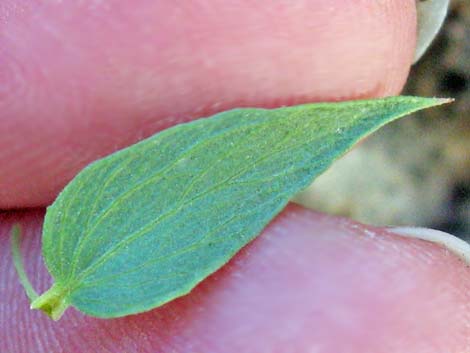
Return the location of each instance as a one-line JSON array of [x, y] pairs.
[[79, 80]]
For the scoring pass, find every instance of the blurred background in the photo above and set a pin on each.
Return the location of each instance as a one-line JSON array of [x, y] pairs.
[[417, 170]]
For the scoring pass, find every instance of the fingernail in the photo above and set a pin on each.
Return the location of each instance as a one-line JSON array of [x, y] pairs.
[[431, 15], [456, 245]]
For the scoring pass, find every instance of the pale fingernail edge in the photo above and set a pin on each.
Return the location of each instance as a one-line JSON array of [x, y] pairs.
[[430, 15], [456, 245]]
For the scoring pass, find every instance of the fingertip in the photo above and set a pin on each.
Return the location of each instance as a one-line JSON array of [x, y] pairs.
[[94, 86]]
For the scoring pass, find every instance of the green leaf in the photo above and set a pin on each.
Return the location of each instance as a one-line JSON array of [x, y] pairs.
[[145, 225]]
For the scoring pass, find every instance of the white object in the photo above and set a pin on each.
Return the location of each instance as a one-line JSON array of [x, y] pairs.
[[431, 15], [455, 245]]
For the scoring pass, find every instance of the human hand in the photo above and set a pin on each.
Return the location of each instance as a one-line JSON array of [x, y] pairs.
[[82, 79]]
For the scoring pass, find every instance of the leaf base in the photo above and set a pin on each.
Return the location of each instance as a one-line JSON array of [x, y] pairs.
[[52, 302]]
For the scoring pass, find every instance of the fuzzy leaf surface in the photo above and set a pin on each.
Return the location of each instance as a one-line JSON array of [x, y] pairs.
[[146, 224]]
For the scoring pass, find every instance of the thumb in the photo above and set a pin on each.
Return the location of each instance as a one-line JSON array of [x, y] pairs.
[[309, 283]]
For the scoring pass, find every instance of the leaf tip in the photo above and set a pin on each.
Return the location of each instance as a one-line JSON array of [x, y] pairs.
[[440, 101], [428, 102]]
